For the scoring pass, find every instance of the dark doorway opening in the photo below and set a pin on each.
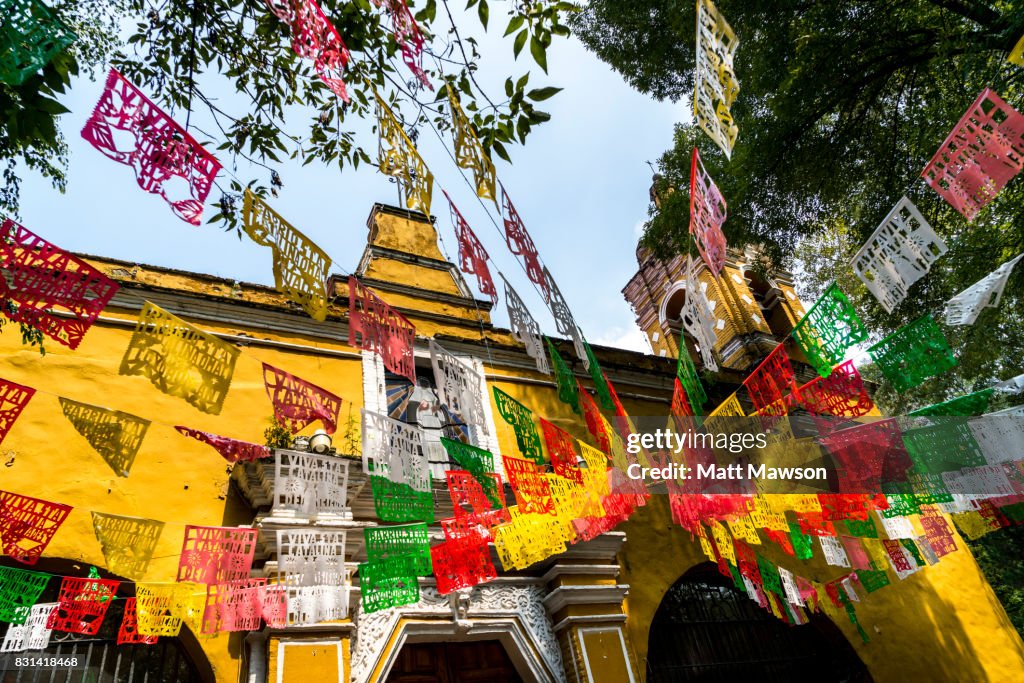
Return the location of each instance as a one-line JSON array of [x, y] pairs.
[[99, 659], [705, 630], [484, 661]]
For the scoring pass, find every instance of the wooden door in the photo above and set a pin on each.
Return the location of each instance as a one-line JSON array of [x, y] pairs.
[[475, 662]]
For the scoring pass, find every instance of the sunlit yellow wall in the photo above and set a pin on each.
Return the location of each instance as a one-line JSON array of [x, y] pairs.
[[941, 624], [308, 658], [733, 303], [174, 479]]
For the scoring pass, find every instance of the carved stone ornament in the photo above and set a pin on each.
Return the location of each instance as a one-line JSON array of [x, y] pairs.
[[522, 605]]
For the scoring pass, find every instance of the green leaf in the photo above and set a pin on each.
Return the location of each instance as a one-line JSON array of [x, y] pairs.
[[500, 149], [521, 83], [509, 89], [539, 53], [520, 41], [483, 12], [541, 94], [428, 13], [514, 24], [522, 129]]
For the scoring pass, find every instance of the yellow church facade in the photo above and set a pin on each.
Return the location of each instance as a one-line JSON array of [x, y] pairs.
[[604, 611]]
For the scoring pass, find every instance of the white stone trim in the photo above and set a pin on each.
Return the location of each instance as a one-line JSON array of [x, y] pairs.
[[375, 395], [558, 569], [670, 289], [513, 613], [595, 594], [590, 619]]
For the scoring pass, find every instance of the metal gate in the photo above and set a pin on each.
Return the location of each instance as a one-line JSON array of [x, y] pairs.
[[705, 630], [100, 659]]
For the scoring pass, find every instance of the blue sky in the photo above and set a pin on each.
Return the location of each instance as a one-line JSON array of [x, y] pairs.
[[580, 184]]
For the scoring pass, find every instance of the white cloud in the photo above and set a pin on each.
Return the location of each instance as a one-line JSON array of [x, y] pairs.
[[629, 338]]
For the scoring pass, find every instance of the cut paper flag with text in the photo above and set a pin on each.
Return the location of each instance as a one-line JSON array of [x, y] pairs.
[[48, 288], [300, 266], [180, 359], [472, 255], [397, 157], [297, 403], [128, 543], [900, 252], [231, 450], [27, 525], [979, 157], [13, 399], [166, 159], [315, 38], [373, 325], [115, 435]]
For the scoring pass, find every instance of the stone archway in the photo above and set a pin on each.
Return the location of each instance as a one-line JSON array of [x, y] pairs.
[[706, 630], [512, 615], [179, 658], [476, 661]]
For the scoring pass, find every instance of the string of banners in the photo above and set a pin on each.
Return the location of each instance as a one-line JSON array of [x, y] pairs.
[[581, 498], [586, 492], [160, 150], [906, 462]]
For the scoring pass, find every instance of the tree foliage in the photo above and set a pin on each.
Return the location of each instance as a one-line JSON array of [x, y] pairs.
[[998, 554], [841, 105], [29, 130], [226, 68], [230, 63]]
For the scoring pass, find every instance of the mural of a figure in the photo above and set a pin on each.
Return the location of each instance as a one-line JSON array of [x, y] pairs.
[[420, 404]]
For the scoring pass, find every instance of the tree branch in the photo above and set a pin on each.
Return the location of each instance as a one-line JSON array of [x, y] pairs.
[[978, 12], [465, 59]]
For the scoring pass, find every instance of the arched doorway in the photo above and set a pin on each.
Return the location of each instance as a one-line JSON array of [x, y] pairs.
[[706, 630], [670, 315], [99, 657], [484, 661]]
